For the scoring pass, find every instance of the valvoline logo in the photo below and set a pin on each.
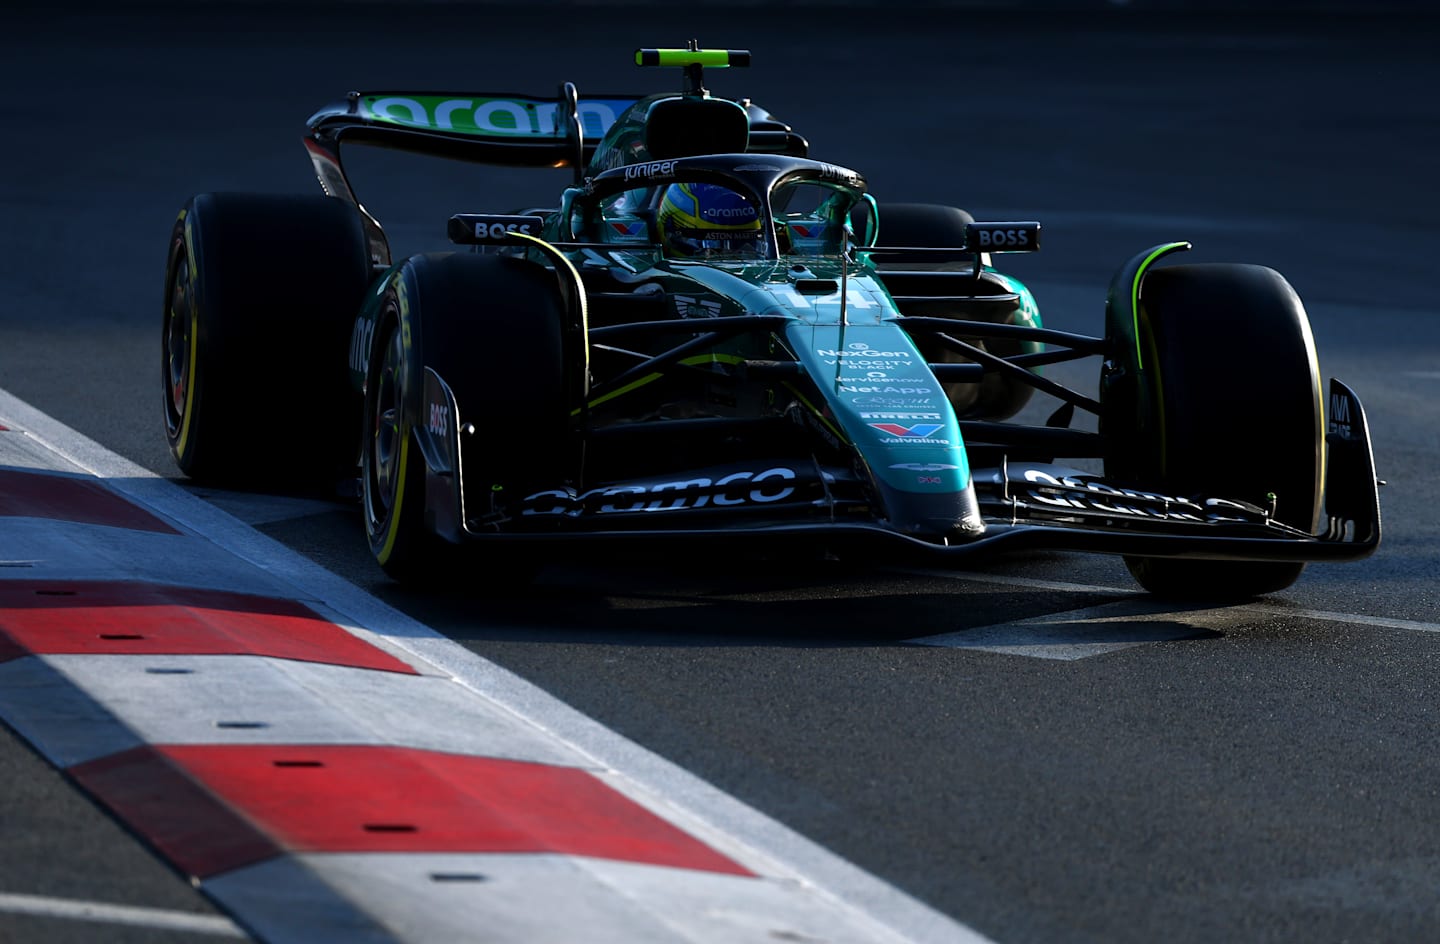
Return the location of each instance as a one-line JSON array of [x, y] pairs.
[[627, 228], [918, 431]]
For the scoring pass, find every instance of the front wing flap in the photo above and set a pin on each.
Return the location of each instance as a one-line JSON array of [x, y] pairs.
[[1025, 507]]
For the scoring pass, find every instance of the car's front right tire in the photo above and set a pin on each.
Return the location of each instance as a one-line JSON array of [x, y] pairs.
[[1233, 371]]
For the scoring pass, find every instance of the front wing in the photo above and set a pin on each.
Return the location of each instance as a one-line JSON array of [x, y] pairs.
[[1024, 507]]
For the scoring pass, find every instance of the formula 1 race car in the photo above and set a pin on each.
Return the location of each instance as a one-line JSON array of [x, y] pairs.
[[712, 337]]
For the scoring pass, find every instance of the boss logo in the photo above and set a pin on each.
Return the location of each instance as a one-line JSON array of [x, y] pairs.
[[439, 422], [469, 229], [1003, 237], [498, 230]]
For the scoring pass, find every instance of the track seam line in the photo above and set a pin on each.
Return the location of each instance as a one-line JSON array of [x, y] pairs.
[[105, 913], [1261, 609]]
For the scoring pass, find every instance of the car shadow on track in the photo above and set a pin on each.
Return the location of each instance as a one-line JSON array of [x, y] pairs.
[[649, 601], [688, 598]]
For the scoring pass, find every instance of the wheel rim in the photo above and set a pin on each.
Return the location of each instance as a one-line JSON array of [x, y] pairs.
[[179, 321], [386, 434]]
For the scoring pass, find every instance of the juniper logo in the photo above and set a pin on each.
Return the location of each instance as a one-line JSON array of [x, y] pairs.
[[646, 171], [842, 174]]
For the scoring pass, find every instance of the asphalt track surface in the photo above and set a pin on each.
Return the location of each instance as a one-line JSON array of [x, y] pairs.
[[1266, 773]]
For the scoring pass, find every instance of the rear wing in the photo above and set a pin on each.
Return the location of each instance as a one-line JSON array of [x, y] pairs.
[[485, 128], [494, 128]]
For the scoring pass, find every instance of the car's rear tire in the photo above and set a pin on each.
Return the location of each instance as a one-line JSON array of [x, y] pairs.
[[997, 396], [261, 293], [493, 327], [1236, 384], [923, 224]]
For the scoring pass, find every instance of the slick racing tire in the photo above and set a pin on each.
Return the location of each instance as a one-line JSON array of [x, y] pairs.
[[924, 224], [514, 402], [934, 225], [261, 292], [1237, 390]]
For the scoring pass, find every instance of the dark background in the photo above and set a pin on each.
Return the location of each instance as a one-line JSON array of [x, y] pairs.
[[1269, 780]]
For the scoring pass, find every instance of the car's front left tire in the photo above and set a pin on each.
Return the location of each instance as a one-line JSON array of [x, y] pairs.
[[494, 328]]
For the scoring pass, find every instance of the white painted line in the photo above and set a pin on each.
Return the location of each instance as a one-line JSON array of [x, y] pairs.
[[1268, 610], [99, 912], [1030, 583], [881, 913], [1380, 622]]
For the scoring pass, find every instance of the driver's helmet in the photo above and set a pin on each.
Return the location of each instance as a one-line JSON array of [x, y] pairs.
[[696, 219]]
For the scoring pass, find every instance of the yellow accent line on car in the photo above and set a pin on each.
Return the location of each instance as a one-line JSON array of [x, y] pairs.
[[622, 391], [192, 357], [194, 353], [819, 415], [560, 259], [392, 527], [1322, 397], [713, 358], [1135, 295], [1159, 390], [649, 378]]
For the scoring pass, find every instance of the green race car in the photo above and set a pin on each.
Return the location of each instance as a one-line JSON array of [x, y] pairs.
[[712, 337]]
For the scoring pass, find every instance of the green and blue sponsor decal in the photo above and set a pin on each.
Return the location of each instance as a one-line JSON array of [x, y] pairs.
[[503, 116]]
